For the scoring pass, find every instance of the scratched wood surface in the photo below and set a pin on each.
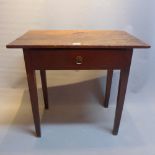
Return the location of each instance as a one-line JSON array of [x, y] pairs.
[[77, 39]]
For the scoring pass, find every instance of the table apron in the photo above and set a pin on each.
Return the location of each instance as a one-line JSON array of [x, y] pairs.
[[66, 59]]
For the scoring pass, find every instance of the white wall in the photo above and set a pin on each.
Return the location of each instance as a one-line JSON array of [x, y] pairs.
[[135, 16]]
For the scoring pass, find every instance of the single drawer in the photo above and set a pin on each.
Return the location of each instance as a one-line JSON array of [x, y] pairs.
[[80, 59]]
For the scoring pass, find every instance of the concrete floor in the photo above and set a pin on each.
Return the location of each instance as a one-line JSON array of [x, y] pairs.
[[76, 122]]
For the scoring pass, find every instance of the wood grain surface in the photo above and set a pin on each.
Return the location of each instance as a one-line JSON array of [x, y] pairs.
[[77, 39]]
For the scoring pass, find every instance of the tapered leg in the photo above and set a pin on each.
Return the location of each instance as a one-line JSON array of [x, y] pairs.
[[108, 87], [124, 74], [44, 87], [34, 99]]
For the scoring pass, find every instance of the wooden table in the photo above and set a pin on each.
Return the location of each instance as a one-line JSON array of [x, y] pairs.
[[77, 49]]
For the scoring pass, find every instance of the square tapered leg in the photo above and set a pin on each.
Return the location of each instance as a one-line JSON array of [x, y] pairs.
[[108, 87], [44, 87]]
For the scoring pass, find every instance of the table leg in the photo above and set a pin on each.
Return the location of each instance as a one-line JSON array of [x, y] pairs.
[[44, 87], [34, 99], [124, 74], [108, 87]]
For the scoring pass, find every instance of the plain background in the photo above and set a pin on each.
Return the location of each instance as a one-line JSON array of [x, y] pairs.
[[134, 16]]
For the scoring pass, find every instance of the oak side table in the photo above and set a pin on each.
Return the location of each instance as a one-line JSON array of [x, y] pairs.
[[77, 50]]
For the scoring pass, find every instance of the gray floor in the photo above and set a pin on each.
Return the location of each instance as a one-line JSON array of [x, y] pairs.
[[76, 122]]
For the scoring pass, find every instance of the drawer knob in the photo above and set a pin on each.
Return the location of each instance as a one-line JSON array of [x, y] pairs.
[[79, 60]]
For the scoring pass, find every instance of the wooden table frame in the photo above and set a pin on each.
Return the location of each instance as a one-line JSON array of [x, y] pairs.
[[121, 60], [77, 50]]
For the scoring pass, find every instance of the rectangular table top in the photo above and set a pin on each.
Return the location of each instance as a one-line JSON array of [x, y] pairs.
[[77, 39]]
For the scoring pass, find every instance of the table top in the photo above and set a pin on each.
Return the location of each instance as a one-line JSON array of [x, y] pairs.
[[77, 39]]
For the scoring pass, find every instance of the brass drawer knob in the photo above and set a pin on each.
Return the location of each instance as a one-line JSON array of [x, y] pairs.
[[79, 60]]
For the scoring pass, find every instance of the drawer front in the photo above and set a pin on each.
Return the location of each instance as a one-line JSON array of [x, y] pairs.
[[77, 59]]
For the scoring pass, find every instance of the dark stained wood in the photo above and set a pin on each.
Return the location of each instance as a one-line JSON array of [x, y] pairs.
[[77, 39], [123, 81], [81, 50], [31, 78], [41, 59], [44, 87], [56, 59], [108, 87]]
